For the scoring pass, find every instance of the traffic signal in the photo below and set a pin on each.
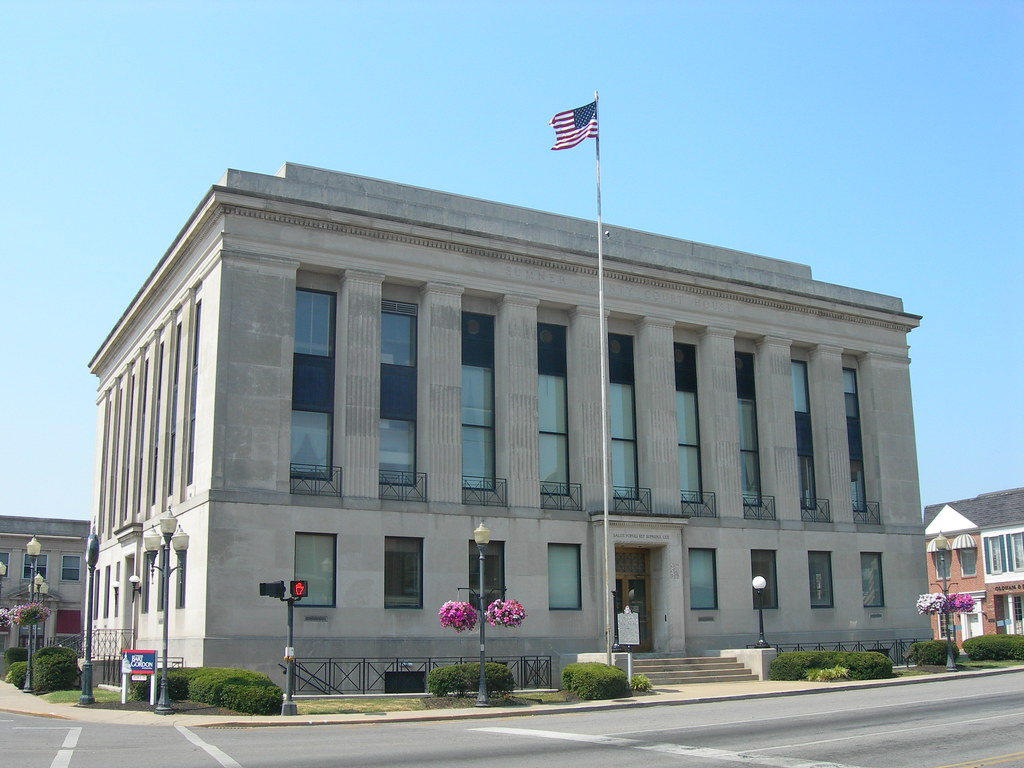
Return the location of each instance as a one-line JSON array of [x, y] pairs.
[[299, 589], [272, 589]]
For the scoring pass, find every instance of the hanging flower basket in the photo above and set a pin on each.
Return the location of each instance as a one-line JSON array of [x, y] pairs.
[[505, 613], [937, 603], [30, 613], [5, 620], [458, 616]]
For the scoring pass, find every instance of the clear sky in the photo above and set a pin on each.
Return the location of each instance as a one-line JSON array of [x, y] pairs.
[[878, 142]]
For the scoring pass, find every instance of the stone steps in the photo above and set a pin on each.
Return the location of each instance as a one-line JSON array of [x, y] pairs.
[[669, 670]]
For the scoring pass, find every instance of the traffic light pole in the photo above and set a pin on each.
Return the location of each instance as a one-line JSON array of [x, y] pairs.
[[288, 706]]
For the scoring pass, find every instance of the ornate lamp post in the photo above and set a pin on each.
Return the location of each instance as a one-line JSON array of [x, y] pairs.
[[92, 555], [759, 583], [941, 545], [482, 536], [32, 550], [159, 539]]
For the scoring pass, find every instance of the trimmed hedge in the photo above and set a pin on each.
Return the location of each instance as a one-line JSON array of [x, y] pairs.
[[863, 665], [460, 679], [594, 680], [930, 652], [995, 647], [240, 690], [54, 669], [16, 673], [15, 653]]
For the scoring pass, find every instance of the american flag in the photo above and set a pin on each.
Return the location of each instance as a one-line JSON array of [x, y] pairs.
[[574, 126]]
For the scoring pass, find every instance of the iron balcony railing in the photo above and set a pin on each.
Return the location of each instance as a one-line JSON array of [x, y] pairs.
[[403, 486], [632, 501], [554, 495], [867, 512], [697, 504], [332, 676], [485, 491], [815, 511], [758, 507], [315, 480]]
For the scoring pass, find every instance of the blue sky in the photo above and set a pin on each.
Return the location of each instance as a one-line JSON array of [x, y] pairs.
[[878, 142]]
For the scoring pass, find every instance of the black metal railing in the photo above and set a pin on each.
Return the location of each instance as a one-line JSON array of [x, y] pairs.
[[333, 676], [554, 495], [896, 650], [403, 486], [815, 511], [867, 512], [485, 491], [697, 504], [632, 501], [758, 507], [316, 480]]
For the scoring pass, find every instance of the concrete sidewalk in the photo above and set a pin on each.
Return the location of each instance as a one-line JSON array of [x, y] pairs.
[[18, 702]]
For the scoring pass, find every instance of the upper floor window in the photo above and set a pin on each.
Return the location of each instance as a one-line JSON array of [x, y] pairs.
[[26, 571], [316, 561], [552, 406], [804, 438], [687, 428], [70, 567], [398, 392], [750, 463], [622, 411], [313, 380], [853, 437], [477, 396]]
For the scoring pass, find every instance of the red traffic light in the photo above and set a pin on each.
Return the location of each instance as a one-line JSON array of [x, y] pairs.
[[299, 588]]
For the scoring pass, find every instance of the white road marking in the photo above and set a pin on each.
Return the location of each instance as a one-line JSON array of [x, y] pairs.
[[748, 758], [217, 754]]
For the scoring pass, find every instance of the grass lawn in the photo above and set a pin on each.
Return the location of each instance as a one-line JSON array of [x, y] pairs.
[[369, 704], [71, 697]]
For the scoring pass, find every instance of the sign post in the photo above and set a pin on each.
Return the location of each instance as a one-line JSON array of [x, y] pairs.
[[629, 636]]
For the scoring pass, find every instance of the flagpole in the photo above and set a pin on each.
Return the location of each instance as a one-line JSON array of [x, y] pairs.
[[604, 398]]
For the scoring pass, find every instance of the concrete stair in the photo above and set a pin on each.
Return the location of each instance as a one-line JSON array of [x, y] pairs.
[[682, 670]]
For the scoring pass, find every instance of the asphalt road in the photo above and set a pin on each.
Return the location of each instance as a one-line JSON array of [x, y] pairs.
[[956, 723]]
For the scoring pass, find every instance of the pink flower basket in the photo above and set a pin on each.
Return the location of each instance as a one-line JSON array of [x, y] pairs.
[[458, 616]]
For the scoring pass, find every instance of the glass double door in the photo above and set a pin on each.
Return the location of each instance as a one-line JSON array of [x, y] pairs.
[[633, 589]]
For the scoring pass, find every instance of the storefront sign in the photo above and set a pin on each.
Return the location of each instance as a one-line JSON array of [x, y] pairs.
[[1009, 588]]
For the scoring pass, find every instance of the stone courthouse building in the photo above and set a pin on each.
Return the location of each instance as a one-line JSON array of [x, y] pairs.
[[337, 378]]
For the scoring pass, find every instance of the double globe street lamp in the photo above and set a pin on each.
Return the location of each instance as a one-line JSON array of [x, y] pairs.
[[32, 549], [482, 536], [162, 538], [940, 544]]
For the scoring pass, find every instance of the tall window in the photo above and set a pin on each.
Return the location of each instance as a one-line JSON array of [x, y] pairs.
[[750, 462], [193, 397], [148, 558], [762, 563], [173, 433], [853, 436], [703, 579], [397, 392], [140, 453], [126, 452], [403, 572], [552, 405], [477, 397], [871, 586], [315, 561], [819, 572], [687, 430], [313, 383], [494, 570], [622, 412], [968, 561], [115, 446], [564, 592], [804, 439], [157, 434]]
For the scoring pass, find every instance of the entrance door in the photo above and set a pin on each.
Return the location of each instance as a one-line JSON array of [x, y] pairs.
[[633, 588]]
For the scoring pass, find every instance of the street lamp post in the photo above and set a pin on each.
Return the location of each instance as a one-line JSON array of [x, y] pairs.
[[32, 550], [482, 535], [92, 555], [759, 583], [941, 545], [160, 539]]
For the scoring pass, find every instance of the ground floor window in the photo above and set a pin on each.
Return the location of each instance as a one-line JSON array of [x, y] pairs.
[[315, 561], [403, 572], [564, 591], [703, 579]]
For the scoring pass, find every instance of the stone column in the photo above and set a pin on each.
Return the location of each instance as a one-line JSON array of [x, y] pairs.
[[439, 381], [583, 347], [828, 420], [719, 421], [515, 394], [358, 365], [775, 425], [657, 454]]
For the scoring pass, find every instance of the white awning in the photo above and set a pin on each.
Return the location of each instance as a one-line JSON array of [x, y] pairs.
[[932, 547], [963, 541]]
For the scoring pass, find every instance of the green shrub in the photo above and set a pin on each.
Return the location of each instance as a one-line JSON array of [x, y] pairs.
[[16, 673], [995, 647], [594, 680], [15, 653], [54, 669], [640, 683], [252, 699], [828, 674], [177, 684], [863, 665], [930, 652], [460, 679], [208, 686]]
